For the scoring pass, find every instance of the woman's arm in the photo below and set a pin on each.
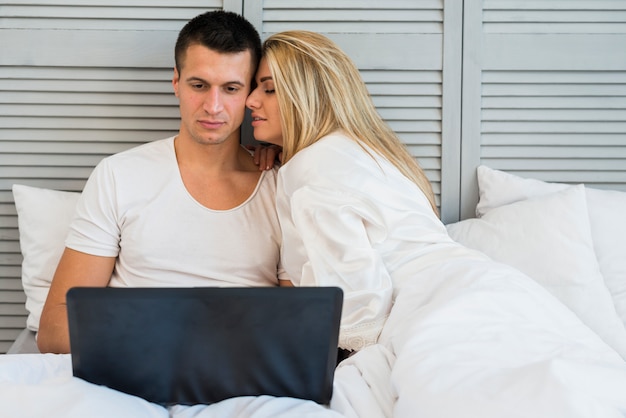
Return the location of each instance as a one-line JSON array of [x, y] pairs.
[[332, 237]]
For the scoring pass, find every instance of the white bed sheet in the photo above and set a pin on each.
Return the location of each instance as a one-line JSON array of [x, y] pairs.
[[469, 338], [42, 385]]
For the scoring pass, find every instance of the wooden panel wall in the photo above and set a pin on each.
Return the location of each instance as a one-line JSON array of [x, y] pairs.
[[533, 87], [79, 80]]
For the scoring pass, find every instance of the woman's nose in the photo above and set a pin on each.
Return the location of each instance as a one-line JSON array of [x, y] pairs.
[[251, 101]]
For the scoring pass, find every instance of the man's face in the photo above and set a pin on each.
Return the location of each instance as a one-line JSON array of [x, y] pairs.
[[212, 88]]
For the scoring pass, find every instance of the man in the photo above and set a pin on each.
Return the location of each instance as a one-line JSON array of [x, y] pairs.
[[191, 210]]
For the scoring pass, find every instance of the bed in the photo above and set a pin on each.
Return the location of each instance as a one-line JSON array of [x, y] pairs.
[[550, 341]]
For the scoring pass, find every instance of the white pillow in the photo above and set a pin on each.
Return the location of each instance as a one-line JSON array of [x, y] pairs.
[[43, 219], [549, 239], [607, 218]]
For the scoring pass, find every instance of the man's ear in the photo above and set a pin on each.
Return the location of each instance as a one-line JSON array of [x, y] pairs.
[[175, 81]]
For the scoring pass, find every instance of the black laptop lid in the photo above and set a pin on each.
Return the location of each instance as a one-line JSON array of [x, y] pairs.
[[203, 345]]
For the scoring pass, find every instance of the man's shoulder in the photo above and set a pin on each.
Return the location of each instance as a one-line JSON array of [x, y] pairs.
[[266, 184], [148, 148], [147, 161], [156, 151]]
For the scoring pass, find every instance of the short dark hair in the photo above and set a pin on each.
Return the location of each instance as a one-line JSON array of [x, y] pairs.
[[220, 31]]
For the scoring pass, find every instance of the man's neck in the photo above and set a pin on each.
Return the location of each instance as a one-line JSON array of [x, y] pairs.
[[208, 158], [219, 176]]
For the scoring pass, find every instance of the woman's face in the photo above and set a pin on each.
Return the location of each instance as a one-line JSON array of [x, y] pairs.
[[264, 105]]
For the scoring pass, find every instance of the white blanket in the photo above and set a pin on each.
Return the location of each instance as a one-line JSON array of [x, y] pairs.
[[42, 385], [470, 338], [475, 340]]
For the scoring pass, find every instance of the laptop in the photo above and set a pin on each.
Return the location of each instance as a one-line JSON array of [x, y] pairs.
[[203, 345]]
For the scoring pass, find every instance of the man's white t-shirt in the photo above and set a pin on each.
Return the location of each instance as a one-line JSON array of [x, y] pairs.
[[135, 207]]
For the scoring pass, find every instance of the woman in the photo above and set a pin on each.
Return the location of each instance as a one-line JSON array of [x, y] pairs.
[[357, 212], [355, 207]]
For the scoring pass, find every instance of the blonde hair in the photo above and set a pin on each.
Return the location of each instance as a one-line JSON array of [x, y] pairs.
[[319, 91]]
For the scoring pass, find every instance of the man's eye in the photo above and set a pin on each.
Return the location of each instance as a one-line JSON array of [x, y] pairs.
[[232, 89], [197, 86]]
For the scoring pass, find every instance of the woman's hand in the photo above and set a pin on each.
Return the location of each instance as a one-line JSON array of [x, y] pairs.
[[266, 156]]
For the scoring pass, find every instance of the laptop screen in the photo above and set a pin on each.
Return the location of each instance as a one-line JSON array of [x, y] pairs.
[[203, 345]]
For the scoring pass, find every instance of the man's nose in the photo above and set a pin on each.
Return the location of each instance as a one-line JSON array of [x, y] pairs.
[[213, 101]]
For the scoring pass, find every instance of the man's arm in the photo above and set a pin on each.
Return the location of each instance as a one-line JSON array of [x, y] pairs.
[[75, 269]]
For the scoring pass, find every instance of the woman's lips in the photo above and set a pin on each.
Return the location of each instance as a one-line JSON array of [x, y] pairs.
[[257, 120]]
